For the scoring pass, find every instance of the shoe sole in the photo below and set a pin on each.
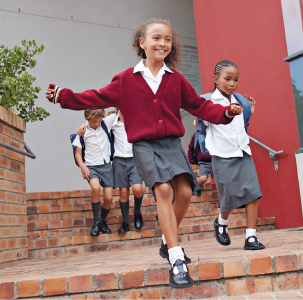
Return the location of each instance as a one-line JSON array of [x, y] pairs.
[[181, 286], [253, 248], [94, 235]]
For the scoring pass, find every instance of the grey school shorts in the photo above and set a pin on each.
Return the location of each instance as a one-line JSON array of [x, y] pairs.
[[125, 172], [104, 173], [205, 168]]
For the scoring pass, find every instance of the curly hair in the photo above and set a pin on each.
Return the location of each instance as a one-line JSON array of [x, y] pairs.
[[95, 113], [173, 59]]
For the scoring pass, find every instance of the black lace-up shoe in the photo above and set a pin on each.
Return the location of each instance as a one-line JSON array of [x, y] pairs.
[[94, 231], [222, 238], [103, 227], [163, 251], [182, 279], [138, 221], [124, 227], [197, 193], [252, 243]]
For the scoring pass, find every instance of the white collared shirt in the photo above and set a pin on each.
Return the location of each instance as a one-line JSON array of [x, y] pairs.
[[122, 147], [97, 147], [226, 140], [152, 81]]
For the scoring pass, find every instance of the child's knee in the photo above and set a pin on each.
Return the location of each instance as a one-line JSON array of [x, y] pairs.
[[203, 179], [124, 193], [96, 189], [137, 190], [164, 192]]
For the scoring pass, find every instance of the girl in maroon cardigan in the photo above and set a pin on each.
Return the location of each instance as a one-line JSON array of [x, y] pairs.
[[150, 97]]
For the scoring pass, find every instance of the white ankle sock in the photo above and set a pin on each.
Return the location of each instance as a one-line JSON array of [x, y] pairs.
[[174, 254], [163, 239], [222, 222], [250, 232]]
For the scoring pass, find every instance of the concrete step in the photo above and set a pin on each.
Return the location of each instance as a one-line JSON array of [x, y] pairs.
[[140, 273]]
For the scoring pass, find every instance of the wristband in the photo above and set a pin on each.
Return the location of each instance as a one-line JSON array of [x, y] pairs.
[[56, 93]]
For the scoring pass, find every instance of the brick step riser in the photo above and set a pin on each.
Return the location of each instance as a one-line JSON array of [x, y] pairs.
[[81, 244], [188, 225], [153, 284]]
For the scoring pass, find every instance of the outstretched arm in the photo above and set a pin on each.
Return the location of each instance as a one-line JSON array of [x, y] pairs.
[[206, 110], [107, 96]]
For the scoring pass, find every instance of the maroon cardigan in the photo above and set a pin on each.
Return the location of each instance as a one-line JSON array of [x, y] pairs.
[[147, 115], [200, 156]]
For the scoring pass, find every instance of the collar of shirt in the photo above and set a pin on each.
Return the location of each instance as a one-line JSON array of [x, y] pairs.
[[218, 96], [140, 67], [89, 128]]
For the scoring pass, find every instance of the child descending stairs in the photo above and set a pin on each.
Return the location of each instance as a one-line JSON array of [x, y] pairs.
[[59, 223]]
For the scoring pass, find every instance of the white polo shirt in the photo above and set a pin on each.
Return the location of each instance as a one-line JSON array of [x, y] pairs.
[[226, 140], [97, 146], [122, 147], [152, 81]]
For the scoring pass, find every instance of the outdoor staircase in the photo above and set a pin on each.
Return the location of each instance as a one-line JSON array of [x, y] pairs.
[[65, 262], [59, 223]]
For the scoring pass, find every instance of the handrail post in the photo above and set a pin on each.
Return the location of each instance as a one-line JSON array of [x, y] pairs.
[[272, 152]]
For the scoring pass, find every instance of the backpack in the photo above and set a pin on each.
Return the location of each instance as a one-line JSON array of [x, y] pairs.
[[201, 138], [110, 138]]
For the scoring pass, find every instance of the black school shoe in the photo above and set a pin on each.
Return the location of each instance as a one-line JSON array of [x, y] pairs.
[[163, 251], [222, 238], [197, 193], [124, 227], [138, 221], [182, 279], [94, 231], [103, 227], [254, 244]]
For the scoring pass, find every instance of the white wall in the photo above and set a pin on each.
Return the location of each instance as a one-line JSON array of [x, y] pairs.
[[87, 43]]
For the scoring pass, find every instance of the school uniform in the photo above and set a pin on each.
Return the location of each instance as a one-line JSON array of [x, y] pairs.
[[97, 152], [232, 163], [156, 129], [125, 171]]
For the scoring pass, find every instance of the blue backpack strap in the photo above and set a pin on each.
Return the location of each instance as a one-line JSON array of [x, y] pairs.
[[72, 138], [110, 138], [246, 109]]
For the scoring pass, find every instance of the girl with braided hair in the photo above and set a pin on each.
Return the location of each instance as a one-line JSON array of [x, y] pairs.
[[232, 163], [150, 96]]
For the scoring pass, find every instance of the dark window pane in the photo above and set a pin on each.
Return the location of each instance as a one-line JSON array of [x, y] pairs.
[[296, 69]]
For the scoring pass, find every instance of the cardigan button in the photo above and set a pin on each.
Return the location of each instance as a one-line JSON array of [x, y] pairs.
[[160, 121], [155, 101]]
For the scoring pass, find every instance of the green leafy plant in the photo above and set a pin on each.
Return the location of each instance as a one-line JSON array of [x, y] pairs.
[[16, 84]]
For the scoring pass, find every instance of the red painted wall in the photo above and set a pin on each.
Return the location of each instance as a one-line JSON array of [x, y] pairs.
[[251, 34]]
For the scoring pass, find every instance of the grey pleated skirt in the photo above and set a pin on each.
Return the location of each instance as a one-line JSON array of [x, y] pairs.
[[160, 160], [237, 181]]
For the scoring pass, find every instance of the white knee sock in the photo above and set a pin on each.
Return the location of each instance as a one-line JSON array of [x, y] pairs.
[[163, 239], [174, 254], [223, 222], [250, 232]]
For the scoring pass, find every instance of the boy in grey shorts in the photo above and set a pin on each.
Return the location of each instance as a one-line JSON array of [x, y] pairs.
[[97, 168], [125, 172]]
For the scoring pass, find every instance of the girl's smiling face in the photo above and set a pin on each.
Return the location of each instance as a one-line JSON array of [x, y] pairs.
[[157, 42], [227, 81]]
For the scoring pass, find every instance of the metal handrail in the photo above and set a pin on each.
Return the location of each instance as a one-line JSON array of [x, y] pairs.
[[27, 153], [272, 152]]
